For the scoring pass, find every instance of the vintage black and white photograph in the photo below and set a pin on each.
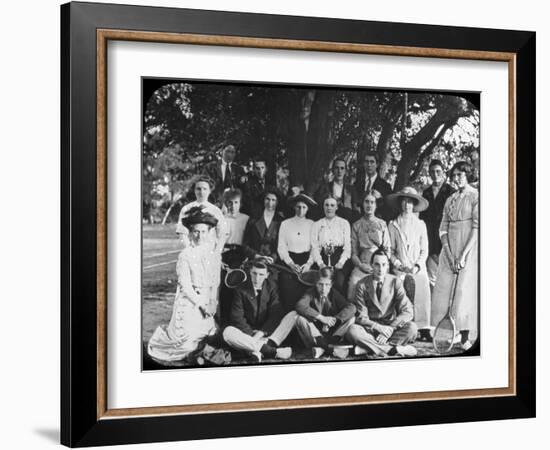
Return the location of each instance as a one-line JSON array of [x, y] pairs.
[[287, 223]]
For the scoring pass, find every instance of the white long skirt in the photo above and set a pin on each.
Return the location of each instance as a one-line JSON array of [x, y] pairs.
[[183, 335]]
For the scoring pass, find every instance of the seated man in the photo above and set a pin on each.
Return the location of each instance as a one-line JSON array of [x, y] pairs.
[[325, 315], [257, 325], [383, 325]]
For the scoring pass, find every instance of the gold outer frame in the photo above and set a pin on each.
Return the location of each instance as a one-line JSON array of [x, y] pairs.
[[103, 36]]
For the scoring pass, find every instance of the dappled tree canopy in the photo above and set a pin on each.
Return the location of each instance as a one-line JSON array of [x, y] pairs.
[[298, 131]]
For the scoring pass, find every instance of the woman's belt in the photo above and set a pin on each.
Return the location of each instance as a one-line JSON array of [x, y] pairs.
[[462, 220], [299, 258], [200, 290]]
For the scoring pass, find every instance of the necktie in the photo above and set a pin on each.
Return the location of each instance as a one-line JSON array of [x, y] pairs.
[[379, 290], [227, 176], [369, 185]]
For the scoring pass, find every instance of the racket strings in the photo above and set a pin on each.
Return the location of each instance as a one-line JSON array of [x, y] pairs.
[[444, 335]]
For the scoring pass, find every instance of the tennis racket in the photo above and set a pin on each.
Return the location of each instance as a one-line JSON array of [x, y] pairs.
[[308, 278], [445, 331]]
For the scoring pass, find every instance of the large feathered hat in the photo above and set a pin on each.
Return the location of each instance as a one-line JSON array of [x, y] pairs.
[[197, 214]]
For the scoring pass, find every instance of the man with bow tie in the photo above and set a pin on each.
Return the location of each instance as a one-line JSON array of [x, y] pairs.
[[324, 315], [383, 324], [258, 325]]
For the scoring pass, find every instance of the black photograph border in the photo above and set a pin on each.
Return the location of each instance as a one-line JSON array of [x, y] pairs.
[[84, 418]]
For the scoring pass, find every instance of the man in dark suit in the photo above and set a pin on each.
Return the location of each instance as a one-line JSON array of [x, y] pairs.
[[257, 324], [383, 324], [437, 194], [254, 189], [225, 173], [372, 181], [341, 191], [324, 315]]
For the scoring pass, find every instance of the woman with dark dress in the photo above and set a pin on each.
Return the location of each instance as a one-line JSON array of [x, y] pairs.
[[294, 250]]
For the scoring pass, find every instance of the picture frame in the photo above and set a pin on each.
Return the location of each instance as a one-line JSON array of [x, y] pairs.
[[86, 418]]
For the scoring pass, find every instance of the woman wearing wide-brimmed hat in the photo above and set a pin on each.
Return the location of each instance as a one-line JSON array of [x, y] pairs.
[[198, 271], [294, 248], [409, 251]]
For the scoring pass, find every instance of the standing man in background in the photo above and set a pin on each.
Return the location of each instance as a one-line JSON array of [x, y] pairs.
[[225, 173], [255, 188], [436, 194], [372, 180], [340, 190]]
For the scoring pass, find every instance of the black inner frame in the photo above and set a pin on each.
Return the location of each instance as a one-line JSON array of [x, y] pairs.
[[79, 424]]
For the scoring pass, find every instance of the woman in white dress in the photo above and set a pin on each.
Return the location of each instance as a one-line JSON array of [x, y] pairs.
[[331, 242], [459, 258], [409, 251], [198, 270], [202, 187], [368, 234], [294, 248]]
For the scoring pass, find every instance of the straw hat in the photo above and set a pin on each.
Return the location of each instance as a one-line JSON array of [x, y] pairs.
[[394, 200]]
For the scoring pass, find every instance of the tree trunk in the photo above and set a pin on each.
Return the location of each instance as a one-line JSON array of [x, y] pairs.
[[320, 139], [298, 109], [383, 146], [167, 213]]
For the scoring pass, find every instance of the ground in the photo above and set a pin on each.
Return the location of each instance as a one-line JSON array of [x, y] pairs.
[[160, 253]]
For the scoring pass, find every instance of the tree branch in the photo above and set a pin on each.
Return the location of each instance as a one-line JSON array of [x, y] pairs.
[[429, 148]]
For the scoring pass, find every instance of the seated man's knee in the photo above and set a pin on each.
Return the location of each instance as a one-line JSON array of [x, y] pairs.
[[301, 321], [291, 315], [355, 330], [228, 332]]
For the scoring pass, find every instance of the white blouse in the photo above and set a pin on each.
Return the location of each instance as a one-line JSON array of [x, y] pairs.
[[198, 270], [335, 232], [236, 225], [295, 237]]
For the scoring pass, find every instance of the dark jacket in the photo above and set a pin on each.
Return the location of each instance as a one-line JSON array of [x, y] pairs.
[[310, 306], [248, 313], [261, 240], [253, 192], [383, 211], [214, 171], [347, 206], [433, 215]]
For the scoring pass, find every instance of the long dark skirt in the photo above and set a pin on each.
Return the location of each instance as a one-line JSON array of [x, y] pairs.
[[290, 289]]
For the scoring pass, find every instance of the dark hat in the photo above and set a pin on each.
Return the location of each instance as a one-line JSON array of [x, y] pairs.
[[420, 202], [197, 215], [301, 198]]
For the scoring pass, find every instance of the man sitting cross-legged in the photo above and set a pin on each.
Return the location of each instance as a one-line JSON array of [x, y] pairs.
[[324, 315], [257, 325], [383, 325]]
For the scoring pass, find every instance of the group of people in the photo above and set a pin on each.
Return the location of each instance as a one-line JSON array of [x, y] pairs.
[[386, 263]]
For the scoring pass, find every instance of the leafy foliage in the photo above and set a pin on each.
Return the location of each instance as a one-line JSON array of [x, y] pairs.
[[297, 131]]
